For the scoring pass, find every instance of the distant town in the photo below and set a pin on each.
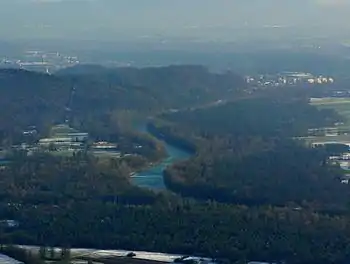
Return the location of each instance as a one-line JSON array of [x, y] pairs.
[[288, 79], [36, 60]]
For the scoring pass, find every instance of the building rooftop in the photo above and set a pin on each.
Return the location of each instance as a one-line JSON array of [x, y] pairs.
[[7, 260], [260, 262], [78, 134], [56, 139], [104, 145]]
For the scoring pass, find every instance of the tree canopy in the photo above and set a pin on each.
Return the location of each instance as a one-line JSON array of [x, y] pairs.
[[250, 192]]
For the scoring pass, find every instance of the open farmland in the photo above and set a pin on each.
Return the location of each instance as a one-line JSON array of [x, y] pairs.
[[329, 100], [340, 105], [340, 133]]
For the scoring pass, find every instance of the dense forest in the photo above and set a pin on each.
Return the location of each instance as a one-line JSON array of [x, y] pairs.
[[246, 155], [243, 125], [288, 175], [250, 192], [263, 116], [83, 203], [54, 181], [105, 100], [215, 230], [168, 224]]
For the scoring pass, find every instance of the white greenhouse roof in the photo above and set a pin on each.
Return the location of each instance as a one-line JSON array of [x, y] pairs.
[[7, 260]]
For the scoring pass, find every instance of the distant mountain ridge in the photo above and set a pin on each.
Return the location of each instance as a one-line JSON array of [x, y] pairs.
[[171, 86], [82, 69]]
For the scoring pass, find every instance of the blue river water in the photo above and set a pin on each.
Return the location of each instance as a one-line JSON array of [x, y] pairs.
[[152, 178]]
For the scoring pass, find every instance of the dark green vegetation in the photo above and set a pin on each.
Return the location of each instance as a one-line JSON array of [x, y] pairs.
[[287, 174], [263, 116], [259, 195], [104, 99], [246, 155], [212, 229], [55, 181]]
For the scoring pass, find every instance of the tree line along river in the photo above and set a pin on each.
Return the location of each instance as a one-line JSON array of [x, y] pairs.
[[152, 178]]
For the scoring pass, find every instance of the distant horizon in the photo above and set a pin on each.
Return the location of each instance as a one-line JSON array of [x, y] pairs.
[[197, 20]]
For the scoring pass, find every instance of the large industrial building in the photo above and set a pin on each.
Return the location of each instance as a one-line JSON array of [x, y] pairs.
[[64, 138]]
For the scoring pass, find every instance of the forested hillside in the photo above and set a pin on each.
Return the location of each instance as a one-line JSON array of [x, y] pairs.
[[262, 116], [249, 193], [78, 202], [56, 182], [29, 98], [83, 202], [153, 88], [104, 98], [243, 125], [226, 232], [246, 155]]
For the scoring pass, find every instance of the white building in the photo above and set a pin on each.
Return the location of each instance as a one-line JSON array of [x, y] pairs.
[[78, 136], [7, 260], [55, 141]]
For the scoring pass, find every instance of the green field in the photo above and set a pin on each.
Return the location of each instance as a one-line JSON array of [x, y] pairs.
[[340, 105], [329, 101]]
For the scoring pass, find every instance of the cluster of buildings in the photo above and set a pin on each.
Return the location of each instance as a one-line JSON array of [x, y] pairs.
[[39, 61], [338, 138], [344, 93], [62, 141], [287, 79], [337, 130], [103, 148], [65, 140], [342, 160]]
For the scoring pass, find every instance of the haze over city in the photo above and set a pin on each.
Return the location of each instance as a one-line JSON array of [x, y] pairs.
[[219, 20]]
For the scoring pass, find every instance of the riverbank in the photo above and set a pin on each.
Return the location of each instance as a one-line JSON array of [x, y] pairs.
[[152, 177]]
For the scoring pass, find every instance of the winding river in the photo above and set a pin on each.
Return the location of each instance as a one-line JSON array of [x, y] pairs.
[[152, 178]]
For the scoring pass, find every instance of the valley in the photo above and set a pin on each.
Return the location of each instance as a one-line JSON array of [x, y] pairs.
[[195, 179]]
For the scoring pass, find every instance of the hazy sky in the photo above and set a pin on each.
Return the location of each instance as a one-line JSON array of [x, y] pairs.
[[111, 19]]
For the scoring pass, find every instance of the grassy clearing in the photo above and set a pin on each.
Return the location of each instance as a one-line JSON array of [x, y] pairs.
[[329, 101], [340, 105]]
